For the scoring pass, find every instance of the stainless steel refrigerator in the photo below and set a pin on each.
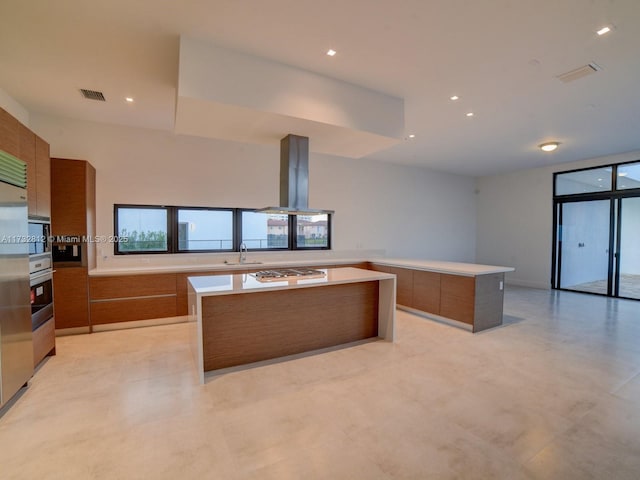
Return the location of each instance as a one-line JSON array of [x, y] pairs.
[[16, 347]]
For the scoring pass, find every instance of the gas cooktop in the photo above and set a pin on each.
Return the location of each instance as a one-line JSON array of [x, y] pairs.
[[287, 273]]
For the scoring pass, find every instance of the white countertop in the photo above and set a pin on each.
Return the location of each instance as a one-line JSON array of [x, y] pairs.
[[456, 268], [246, 283], [221, 266]]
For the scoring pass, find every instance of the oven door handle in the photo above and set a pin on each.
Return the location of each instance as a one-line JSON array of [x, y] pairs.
[[44, 275]]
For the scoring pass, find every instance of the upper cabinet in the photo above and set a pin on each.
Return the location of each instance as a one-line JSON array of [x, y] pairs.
[[43, 179], [21, 142], [9, 133]]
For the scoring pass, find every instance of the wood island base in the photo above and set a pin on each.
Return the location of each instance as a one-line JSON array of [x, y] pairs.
[[237, 321]]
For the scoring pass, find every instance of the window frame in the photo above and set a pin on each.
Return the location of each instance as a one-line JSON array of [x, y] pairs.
[[116, 229], [294, 238], [240, 211], [176, 226], [173, 231]]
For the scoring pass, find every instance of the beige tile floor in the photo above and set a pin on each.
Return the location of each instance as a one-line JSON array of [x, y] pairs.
[[553, 394]]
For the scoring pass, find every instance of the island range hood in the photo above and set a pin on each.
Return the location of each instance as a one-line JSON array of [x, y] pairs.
[[294, 178]]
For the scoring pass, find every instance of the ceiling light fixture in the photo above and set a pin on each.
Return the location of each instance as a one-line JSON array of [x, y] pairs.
[[603, 30], [623, 174], [331, 52], [129, 99], [470, 114], [549, 146], [411, 135], [454, 97]]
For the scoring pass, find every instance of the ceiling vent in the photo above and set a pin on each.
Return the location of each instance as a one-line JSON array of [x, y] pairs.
[[579, 73], [93, 95]]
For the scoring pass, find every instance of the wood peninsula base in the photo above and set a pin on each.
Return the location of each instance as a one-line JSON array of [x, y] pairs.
[[466, 295]]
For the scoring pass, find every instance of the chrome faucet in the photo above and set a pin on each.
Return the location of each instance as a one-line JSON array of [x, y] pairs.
[[243, 252]]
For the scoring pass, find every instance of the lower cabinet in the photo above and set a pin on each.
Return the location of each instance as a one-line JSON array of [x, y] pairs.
[[426, 292], [476, 301], [457, 297], [71, 297], [131, 309], [404, 282], [126, 298], [44, 341]]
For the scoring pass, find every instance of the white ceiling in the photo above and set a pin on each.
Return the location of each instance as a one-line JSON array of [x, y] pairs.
[[500, 56]]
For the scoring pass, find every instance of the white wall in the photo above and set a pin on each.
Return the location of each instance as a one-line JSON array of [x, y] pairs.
[[14, 108], [405, 211], [515, 219]]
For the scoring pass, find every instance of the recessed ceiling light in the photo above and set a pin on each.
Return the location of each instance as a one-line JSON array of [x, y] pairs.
[[603, 30], [129, 99], [331, 52], [411, 135], [549, 146], [470, 114], [454, 97]]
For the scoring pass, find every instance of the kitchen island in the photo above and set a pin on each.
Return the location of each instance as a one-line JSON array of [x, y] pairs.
[[238, 320]]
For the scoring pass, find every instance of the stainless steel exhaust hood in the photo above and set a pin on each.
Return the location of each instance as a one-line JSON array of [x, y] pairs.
[[294, 178]]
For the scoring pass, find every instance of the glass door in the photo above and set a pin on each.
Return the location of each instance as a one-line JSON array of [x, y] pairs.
[[584, 243], [629, 248]]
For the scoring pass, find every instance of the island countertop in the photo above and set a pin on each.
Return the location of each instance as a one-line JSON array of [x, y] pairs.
[[247, 283]]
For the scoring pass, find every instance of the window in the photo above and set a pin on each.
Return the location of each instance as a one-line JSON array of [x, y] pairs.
[[146, 229], [628, 176], [312, 231], [201, 229], [264, 231], [170, 229], [596, 227], [584, 181]]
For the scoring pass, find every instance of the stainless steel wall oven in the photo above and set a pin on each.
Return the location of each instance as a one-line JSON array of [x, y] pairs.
[[40, 271], [41, 297]]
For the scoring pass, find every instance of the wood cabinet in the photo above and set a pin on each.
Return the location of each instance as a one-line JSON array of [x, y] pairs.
[[246, 328], [125, 298], [457, 297], [73, 201], [9, 133], [21, 142], [42, 206], [426, 291], [473, 300], [404, 282], [73, 206], [71, 297]]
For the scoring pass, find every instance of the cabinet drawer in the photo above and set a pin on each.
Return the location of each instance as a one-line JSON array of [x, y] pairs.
[[426, 291], [404, 282], [127, 286], [457, 299], [71, 297], [126, 310]]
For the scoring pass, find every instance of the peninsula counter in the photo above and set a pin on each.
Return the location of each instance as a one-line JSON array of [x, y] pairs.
[[466, 295]]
